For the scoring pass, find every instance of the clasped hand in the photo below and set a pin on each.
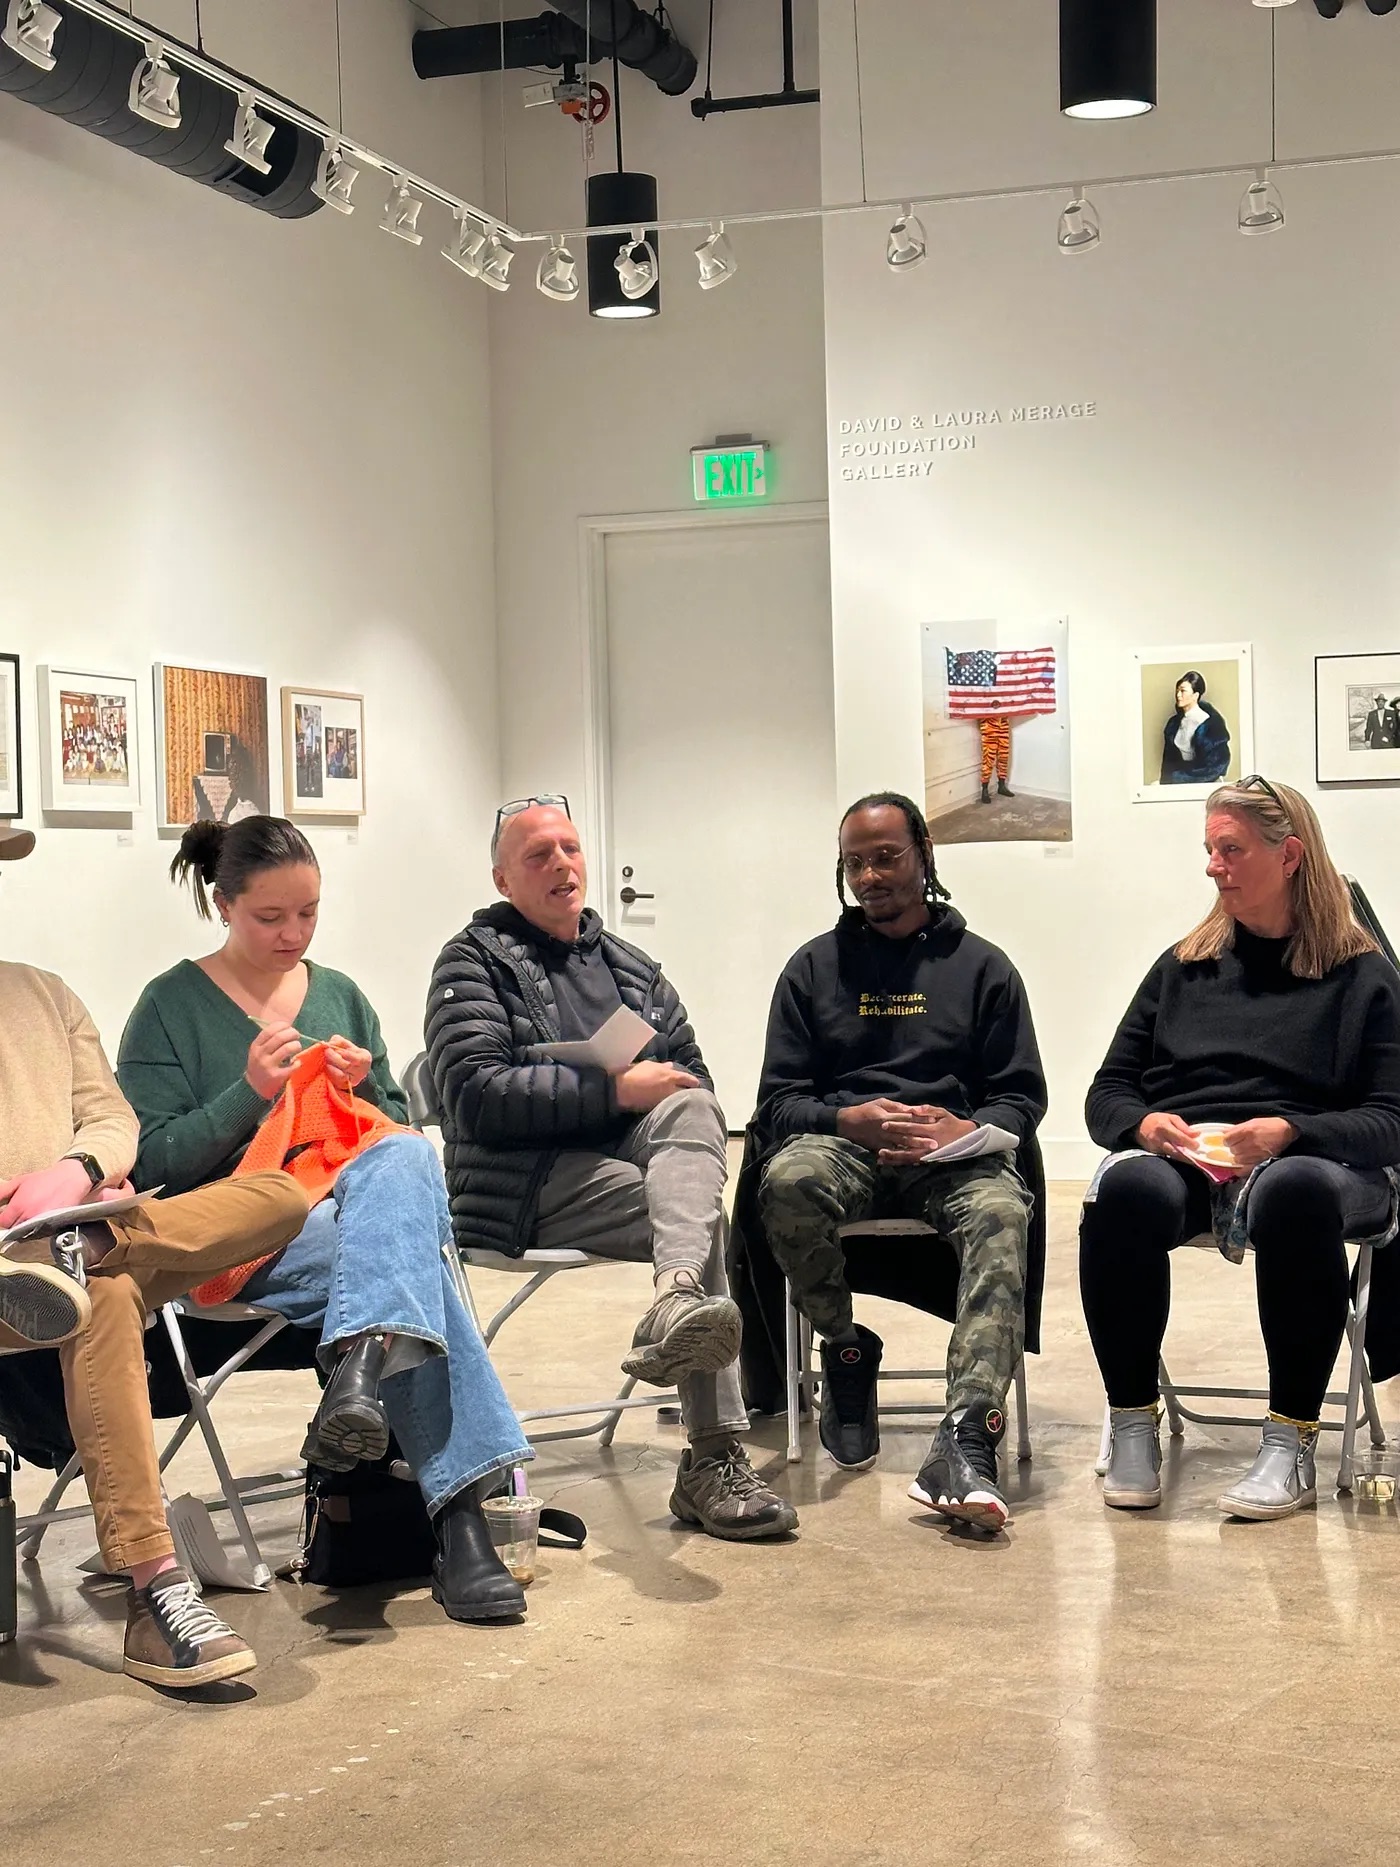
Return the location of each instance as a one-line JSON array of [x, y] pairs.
[[1249, 1144], [898, 1133]]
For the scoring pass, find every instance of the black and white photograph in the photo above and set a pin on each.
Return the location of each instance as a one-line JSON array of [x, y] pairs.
[[1357, 718]]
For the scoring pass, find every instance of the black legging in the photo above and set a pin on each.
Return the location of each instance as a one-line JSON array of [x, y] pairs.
[[1301, 1212]]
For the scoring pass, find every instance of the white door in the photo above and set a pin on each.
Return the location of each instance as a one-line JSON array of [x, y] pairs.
[[722, 761]]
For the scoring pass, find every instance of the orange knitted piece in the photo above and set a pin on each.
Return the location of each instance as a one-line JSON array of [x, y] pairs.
[[310, 1132]]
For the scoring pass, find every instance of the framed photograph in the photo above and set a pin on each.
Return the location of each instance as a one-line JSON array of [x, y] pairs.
[[11, 776], [212, 758], [88, 744], [1192, 714], [1358, 718], [323, 753], [996, 731]]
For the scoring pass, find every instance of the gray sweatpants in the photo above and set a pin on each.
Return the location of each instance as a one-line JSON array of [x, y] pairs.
[[657, 1195]]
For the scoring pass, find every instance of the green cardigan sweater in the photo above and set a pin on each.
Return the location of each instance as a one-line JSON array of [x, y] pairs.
[[181, 1064]]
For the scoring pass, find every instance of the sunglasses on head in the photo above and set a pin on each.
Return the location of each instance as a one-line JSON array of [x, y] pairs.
[[1257, 778], [516, 805]]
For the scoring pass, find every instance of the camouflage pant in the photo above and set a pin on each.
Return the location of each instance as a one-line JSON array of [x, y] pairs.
[[816, 1183]]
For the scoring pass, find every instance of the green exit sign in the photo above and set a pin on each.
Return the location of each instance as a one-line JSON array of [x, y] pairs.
[[730, 473]]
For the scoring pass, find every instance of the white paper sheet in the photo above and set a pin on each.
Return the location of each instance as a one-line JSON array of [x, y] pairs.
[[64, 1218], [984, 1140], [612, 1047]]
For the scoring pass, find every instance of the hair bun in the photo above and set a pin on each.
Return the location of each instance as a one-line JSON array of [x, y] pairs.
[[200, 848]]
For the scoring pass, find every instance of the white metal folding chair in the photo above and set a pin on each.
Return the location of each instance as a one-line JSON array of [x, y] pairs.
[[237, 1493], [538, 1268], [804, 1377], [1359, 1395]]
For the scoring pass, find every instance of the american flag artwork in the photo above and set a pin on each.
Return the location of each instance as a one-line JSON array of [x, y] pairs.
[[985, 683]]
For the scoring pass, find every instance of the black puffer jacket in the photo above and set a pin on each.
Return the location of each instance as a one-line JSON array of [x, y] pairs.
[[505, 1116]]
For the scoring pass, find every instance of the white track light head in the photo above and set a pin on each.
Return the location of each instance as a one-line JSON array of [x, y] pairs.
[[336, 176], [251, 136], [715, 258], [155, 89], [557, 273], [1079, 225], [636, 264], [907, 245], [400, 216], [30, 30], [1261, 206]]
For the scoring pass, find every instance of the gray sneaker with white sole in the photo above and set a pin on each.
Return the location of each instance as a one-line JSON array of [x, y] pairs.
[[1133, 1480], [1283, 1477]]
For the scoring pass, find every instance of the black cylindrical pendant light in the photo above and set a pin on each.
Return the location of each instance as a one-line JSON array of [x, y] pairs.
[[619, 198], [1108, 57]]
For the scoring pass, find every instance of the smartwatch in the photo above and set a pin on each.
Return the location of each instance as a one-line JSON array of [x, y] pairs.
[[94, 1169]]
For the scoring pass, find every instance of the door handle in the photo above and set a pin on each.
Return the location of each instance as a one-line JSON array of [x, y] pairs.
[[628, 895]]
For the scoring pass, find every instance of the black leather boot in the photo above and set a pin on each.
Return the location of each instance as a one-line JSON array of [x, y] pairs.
[[470, 1582], [986, 796], [1004, 789], [350, 1423]]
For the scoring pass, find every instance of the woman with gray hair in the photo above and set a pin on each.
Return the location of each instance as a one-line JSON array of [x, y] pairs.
[[1253, 1090]]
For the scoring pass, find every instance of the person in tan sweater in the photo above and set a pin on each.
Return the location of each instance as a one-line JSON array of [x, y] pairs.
[[67, 1138]]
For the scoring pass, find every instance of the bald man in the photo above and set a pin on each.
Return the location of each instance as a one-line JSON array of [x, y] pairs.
[[626, 1165]]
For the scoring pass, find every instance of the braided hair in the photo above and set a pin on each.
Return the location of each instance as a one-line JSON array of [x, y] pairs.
[[934, 891]]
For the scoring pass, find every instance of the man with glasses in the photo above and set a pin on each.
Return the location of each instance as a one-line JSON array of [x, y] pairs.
[[895, 1034], [627, 1164]]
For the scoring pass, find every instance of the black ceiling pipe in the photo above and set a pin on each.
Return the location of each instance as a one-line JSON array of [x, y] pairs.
[[641, 42], [1108, 57], [514, 45], [618, 197], [90, 83]]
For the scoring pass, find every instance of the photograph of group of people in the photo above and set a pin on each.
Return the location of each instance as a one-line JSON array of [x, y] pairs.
[[1250, 1093]]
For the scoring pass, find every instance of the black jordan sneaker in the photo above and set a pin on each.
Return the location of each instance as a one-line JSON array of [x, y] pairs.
[[850, 1423], [959, 1476]]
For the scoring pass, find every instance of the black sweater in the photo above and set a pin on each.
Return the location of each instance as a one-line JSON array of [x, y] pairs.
[[940, 1017], [1231, 1039]]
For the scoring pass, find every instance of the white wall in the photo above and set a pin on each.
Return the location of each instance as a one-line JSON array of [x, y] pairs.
[[1238, 480], [266, 446], [593, 417]]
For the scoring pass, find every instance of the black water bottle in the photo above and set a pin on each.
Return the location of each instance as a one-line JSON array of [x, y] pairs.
[[9, 1578]]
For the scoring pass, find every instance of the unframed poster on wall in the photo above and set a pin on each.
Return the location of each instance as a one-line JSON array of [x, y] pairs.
[[11, 776], [996, 731], [88, 741], [211, 746], [1192, 720]]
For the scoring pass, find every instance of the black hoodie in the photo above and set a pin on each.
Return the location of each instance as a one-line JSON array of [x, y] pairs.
[[940, 1017]]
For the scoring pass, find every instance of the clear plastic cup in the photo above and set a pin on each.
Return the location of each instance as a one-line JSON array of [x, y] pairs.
[[1375, 1474], [514, 1523]]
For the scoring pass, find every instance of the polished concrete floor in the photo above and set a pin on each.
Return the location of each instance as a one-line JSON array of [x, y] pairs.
[[1087, 1688]]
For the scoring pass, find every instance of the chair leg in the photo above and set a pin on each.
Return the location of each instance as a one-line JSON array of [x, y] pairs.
[[794, 1372], [262, 1574], [29, 1544], [1169, 1400], [521, 1297], [605, 1438], [1023, 1416], [1357, 1332]]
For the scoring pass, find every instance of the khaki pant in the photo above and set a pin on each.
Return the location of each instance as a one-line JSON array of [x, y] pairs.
[[162, 1251]]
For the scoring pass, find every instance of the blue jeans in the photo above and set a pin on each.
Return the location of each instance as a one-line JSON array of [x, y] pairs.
[[370, 1258]]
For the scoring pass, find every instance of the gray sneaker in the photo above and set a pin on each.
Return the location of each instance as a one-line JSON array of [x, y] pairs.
[[684, 1332], [1283, 1477], [1133, 1480], [725, 1497]]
